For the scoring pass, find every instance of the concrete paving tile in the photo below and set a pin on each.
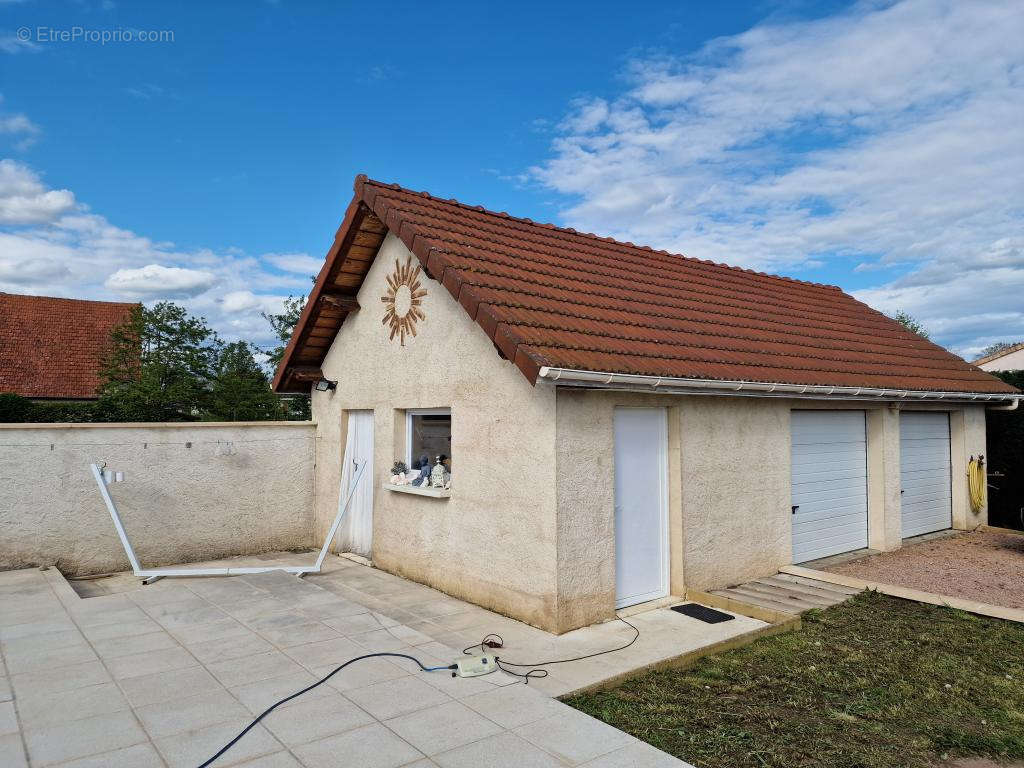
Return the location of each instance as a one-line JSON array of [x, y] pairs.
[[136, 756], [340, 608], [164, 686], [277, 621], [166, 718], [233, 672], [214, 630], [353, 624], [464, 687], [513, 706], [362, 674], [29, 659], [191, 748], [221, 591], [38, 710], [45, 642], [245, 610], [122, 629], [381, 640], [97, 612], [442, 728], [81, 738], [186, 617], [573, 736], [326, 653], [299, 634], [5, 689], [160, 593], [277, 760], [150, 662], [8, 720], [306, 721], [259, 695], [636, 755], [372, 746], [392, 698], [60, 679], [115, 647], [12, 753], [11, 631], [232, 647], [506, 750]]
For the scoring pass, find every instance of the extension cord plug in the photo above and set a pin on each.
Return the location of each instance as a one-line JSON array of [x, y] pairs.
[[474, 666]]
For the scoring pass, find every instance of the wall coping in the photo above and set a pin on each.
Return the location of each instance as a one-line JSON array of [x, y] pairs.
[[154, 424]]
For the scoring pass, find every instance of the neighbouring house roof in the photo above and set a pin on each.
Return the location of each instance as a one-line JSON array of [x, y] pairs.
[[54, 348], [553, 298], [1001, 353]]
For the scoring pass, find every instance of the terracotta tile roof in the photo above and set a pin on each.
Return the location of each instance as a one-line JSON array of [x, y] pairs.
[[554, 297], [54, 348]]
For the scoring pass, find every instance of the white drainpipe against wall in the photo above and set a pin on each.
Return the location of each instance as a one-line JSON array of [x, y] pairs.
[[671, 385]]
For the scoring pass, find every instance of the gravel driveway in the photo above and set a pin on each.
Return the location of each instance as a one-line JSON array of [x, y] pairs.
[[981, 565]]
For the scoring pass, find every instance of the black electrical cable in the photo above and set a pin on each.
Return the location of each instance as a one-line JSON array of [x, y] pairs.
[[534, 670], [322, 680]]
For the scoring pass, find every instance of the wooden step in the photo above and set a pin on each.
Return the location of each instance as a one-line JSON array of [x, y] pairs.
[[745, 595], [786, 595], [823, 591], [815, 583]]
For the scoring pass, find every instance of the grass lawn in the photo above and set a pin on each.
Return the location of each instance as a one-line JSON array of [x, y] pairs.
[[876, 682]]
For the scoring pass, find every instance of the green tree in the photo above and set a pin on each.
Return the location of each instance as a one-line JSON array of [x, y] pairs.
[[296, 406], [160, 366], [240, 390], [911, 324], [283, 323], [999, 346]]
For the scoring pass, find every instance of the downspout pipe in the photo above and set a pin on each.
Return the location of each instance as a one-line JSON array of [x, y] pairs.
[[602, 380]]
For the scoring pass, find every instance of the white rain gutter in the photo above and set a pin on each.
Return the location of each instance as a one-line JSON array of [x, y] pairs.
[[671, 385]]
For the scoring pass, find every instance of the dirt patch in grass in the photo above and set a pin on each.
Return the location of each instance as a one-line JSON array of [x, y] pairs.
[[875, 682], [980, 565]]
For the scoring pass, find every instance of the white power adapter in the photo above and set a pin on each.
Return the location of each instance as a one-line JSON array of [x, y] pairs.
[[474, 666]]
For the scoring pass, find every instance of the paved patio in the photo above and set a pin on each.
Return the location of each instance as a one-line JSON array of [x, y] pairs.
[[164, 675]]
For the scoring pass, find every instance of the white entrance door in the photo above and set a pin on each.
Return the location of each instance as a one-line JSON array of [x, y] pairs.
[[926, 500], [830, 489], [356, 534], [641, 505]]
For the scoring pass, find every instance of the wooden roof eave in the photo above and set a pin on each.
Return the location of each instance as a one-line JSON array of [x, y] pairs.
[[333, 296]]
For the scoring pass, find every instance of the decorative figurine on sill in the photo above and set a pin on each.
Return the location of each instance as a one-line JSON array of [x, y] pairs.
[[424, 477], [437, 474], [399, 468]]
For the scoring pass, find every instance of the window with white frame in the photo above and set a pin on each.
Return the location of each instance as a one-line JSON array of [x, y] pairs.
[[428, 436]]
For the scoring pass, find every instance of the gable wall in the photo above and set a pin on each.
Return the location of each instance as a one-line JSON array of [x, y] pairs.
[[493, 541]]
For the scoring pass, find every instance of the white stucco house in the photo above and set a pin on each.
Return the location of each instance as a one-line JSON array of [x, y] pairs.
[[617, 424], [1009, 359]]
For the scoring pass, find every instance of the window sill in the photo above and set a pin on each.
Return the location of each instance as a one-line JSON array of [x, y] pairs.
[[436, 493]]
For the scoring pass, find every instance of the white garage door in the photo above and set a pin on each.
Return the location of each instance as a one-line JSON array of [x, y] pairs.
[[926, 495], [830, 489]]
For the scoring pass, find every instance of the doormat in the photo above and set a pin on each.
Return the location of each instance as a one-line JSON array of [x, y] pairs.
[[702, 613]]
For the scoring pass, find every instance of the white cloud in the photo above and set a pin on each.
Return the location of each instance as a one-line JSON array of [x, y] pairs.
[[25, 200], [51, 244], [892, 135], [294, 262], [158, 280]]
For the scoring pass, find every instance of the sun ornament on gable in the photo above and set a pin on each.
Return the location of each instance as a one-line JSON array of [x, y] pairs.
[[402, 300]]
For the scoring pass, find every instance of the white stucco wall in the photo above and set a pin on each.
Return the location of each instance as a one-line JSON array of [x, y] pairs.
[[178, 503], [493, 541], [1011, 362]]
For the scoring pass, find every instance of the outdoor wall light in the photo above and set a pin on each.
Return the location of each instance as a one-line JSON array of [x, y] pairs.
[[326, 385]]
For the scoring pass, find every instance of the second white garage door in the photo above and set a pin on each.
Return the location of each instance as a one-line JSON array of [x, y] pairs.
[[830, 489], [926, 500]]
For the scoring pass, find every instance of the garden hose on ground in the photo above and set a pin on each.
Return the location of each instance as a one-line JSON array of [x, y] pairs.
[[976, 482]]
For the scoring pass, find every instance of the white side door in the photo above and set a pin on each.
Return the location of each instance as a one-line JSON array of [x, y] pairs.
[[641, 505], [356, 534], [830, 488], [926, 495]]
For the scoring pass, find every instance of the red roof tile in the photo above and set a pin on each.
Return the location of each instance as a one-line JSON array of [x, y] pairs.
[[54, 348], [555, 297]]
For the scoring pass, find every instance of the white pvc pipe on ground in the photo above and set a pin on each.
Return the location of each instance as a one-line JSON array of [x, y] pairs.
[[149, 575]]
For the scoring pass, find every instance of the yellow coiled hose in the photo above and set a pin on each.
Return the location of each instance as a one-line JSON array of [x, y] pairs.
[[976, 483]]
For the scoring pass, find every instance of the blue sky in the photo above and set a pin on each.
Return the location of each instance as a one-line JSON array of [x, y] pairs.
[[873, 145]]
